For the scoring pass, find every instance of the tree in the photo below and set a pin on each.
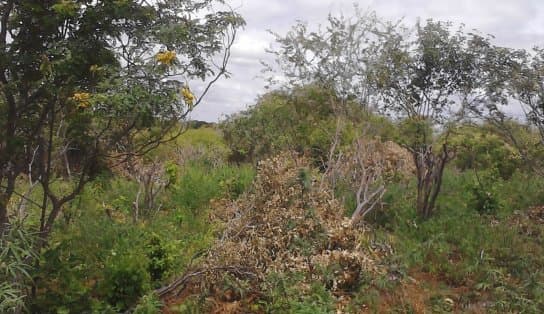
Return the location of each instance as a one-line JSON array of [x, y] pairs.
[[514, 76], [427, 77], [526, 86], [337, 57], [88, 84], [431, 82]]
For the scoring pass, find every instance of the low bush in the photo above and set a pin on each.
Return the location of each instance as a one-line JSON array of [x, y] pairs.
[[484, 191], [159, 258], [126, 279]]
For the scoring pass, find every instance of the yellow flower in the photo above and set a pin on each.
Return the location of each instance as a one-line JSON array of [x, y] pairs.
[[95, 68], [82, 100], [166, 57], [188, 97]]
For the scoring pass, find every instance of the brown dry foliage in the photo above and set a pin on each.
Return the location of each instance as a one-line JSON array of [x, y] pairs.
[[397, 159], [280, 226], [364, 168], [392, 160]]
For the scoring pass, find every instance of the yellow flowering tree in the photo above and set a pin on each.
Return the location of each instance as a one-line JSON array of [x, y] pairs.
[[83, 87]]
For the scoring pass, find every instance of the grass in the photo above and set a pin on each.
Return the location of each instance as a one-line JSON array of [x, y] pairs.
[[474, 257]]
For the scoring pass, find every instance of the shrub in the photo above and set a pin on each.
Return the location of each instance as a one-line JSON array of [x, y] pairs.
[[484, 192], [480, 149], [63, 276], [159, 259], [205, 145], [285, 296], [125, 280], [302, 120], [148, 304]]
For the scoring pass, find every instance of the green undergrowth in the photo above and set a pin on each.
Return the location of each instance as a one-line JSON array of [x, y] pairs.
[[477, 245], [101, 260]]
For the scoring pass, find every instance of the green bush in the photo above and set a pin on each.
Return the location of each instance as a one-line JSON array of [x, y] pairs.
[[302, 120], [88, 263], [283, 296], [484, 192], [477, 148], [148, 304], [521, 191], [66, 277], [126, 279], [159, 259], [205, 145]]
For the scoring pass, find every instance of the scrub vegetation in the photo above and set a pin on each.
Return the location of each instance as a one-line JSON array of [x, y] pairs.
[[383, 175]]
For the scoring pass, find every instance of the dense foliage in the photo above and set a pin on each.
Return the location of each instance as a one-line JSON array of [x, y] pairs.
[[305, 119]]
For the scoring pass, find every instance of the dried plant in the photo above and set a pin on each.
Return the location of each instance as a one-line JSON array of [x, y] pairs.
[[364, 167], [152, 176], [282, 225]]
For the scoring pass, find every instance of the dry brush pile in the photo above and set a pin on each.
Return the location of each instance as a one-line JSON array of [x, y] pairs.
[[287, 223]]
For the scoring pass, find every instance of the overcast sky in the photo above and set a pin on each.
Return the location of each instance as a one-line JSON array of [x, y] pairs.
[[514, 23]]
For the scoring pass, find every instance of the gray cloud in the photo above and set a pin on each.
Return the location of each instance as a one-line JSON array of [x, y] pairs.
[[514, 23]]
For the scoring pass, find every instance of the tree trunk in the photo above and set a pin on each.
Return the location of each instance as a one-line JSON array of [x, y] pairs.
[[5, 196], [4, 220], [429, 170]]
